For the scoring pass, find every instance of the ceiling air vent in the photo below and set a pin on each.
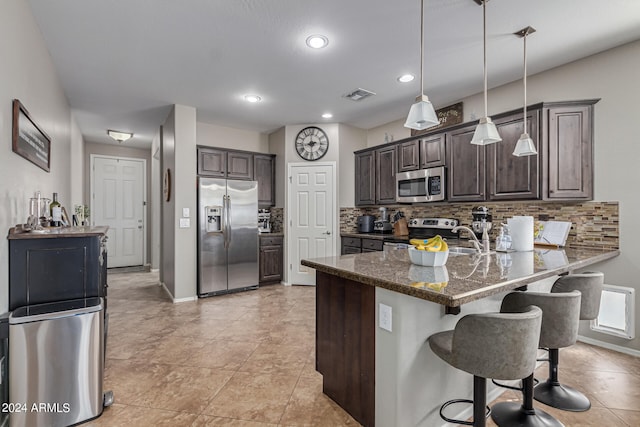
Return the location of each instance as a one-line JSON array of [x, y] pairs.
[[358, 94]]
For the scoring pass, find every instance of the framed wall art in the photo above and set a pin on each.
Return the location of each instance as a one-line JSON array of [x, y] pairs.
[[28, 140]]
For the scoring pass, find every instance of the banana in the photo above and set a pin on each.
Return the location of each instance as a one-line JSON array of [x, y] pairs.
[[435, 244]]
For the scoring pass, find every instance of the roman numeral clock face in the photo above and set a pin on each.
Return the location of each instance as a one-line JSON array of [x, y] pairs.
[[312, 143]]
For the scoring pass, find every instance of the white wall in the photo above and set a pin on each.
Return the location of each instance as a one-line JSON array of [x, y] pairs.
[[155, 200], [351, 139], [232, 138], [28, 74], [277, 147], [612, 76], [395, 130]]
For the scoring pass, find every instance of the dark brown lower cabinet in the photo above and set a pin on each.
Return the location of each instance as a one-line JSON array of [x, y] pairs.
[[345, 344], [271, 259]]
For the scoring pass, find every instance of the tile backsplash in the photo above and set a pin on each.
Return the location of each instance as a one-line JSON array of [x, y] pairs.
[[593, 224]]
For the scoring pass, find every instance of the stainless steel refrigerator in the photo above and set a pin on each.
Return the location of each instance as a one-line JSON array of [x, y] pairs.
[[228, 236]]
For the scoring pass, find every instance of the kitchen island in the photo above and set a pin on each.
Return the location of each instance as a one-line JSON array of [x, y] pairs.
[[390, 377]]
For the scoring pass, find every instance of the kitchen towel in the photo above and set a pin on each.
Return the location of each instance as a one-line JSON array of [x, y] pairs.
[[521, 229]]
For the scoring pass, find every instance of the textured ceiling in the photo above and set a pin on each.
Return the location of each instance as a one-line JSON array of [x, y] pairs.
[[124, 63]]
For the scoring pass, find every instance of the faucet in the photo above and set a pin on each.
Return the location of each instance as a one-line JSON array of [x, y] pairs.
[[482, 248]]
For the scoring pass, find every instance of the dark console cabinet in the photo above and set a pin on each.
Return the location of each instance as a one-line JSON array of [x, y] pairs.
[[56, 267]]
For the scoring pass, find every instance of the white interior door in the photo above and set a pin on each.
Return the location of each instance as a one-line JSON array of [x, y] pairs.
[[311, 222], [118, 202]]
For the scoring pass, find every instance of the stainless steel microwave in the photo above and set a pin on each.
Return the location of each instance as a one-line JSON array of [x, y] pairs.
[[425, 185]]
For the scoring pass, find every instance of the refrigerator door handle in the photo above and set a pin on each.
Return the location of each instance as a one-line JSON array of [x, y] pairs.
[[228, 213], [224, 221]]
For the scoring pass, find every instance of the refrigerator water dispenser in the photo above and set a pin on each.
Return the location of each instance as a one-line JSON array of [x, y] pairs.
[[212, 213]]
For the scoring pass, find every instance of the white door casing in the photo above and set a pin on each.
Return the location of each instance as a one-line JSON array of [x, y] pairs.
[[312, 217], [118, 201]]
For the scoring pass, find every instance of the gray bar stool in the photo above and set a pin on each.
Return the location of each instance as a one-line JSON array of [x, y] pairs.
[[489, 345], [551, 392], [560, 314]]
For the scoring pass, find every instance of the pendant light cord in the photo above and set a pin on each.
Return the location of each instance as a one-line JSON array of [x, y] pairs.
[[525, 81], [421, 47], [484, 32]]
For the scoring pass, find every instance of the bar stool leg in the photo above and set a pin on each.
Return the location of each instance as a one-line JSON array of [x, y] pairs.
[[556, 395], [510, 414], [479, 401]]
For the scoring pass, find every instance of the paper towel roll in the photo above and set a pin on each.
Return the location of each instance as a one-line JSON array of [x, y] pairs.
[[521, 230]]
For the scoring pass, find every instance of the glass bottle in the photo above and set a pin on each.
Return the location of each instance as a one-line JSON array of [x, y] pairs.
[[56, 211]]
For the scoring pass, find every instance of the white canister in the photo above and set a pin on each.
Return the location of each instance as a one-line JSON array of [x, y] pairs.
[[521, 228]]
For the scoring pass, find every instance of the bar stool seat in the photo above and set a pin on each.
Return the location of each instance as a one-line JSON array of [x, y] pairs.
[[552, 392], [560, 312], [489, 345]]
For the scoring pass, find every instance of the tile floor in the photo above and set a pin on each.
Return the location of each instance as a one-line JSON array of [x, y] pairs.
[[247, 359]]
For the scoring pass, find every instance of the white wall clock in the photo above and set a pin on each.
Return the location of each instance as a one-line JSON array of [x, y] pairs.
[[312, 143]]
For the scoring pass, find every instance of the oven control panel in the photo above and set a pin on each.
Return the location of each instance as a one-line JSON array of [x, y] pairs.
[[444, 223]]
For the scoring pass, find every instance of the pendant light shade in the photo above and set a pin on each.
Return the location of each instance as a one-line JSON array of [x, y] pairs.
[[421, 115], [486, 131], [525, 145]]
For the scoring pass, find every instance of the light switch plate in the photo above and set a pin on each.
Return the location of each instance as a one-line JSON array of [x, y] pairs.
[[185, 212], [385, 317], [185, 223]]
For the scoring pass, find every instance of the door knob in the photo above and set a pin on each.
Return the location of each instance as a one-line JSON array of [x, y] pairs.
[[327, 233]]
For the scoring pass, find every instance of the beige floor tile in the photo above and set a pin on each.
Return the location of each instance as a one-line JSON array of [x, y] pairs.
[[185, 389], [254, 397], [113, 416], [271, 358], [631, 418], [310, 407], [209, 421], [148, 417], [222, 354], [616, 390], [129, 378]]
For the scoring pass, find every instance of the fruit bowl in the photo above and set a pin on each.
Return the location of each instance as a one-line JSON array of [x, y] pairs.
[[428, 258]]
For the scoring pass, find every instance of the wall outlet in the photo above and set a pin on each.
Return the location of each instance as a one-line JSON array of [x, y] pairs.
[[185, 223], [385, 317]]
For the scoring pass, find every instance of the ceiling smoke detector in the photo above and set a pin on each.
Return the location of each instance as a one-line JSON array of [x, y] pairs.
[[358, 94]]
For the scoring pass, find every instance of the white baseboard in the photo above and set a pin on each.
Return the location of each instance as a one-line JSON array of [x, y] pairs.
[[154, 270], [614, 347], [177, 300]]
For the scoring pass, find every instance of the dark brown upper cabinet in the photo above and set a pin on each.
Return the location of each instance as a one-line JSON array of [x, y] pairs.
[[212, 162], [569, 167], [264, 174], [365, 178], [386, 175], [510, 177], [409, 156], [432, 151], [239, 165], [466, 166]]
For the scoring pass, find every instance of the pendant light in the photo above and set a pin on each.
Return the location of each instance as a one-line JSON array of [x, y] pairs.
[[486, 131], [421, 115], [525, 145]]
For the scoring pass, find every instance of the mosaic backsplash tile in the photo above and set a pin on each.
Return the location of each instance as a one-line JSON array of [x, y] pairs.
[[594, 224]]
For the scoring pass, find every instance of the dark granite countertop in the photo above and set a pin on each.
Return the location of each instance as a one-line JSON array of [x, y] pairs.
[[378, 236], [57, 232], [464, 278]]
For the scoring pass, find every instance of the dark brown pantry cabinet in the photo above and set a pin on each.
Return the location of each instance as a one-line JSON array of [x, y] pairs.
[[271, 259]]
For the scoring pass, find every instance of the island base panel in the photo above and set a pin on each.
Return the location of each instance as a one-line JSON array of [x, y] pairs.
[[345, 344]]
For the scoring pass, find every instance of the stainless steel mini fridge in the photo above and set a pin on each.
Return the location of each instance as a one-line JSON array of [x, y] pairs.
[[56, 354], [228, 235]]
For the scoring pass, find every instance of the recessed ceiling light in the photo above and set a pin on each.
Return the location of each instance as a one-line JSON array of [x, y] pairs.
[[252, 98], [317, 41], [327, 115], [406, 78]]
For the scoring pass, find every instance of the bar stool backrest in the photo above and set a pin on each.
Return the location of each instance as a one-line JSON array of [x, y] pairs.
[[590, 286]]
